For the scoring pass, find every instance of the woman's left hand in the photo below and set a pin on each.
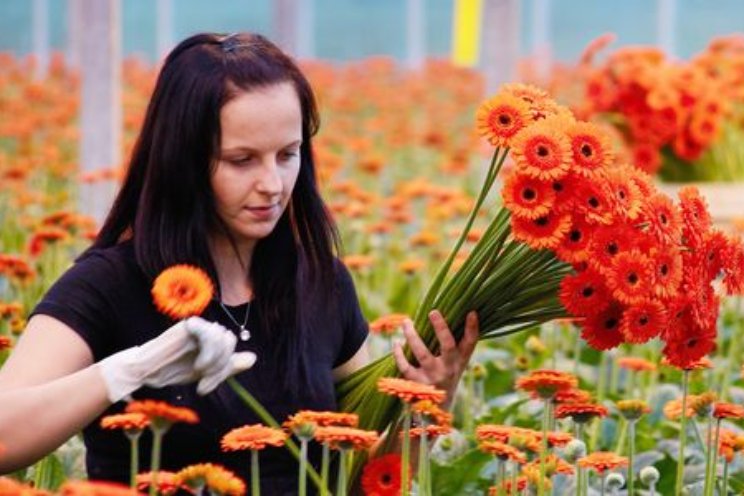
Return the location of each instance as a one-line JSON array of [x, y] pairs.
[[443, 370]]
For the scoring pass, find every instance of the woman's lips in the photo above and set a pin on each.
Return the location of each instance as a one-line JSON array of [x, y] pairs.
[[263, 212]]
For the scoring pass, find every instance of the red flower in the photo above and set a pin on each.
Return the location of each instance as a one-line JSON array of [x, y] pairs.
[[609, 241], [602, 331], [590, 147], [663, 219], [686, 343], [624, 195], [546, 231], [630, 277], [575, 245], [666, 265], [542, 151], [643, 321], [733, 267], [584, 293], [695, 217], [593, 201], [381, 476]]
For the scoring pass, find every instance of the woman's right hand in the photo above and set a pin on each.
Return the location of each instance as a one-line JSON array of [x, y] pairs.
[[192, 349]]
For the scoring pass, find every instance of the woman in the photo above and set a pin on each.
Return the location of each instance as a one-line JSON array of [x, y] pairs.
[[222, 177]]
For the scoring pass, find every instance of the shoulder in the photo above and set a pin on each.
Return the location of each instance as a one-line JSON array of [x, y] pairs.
[[110, 261]]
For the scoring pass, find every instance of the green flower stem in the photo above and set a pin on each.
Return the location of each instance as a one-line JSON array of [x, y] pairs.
[[708, 455], [303, 467], [601, 384], [341, 489], [133, 435], [682, 434], [406, 449], [324, 469], [515, 480], [158, 428], [423, 463], [620, 446], [725, 478], [544, 448], [255, 474], [714, 458], [266, 417], [631, 453], [602, 481]]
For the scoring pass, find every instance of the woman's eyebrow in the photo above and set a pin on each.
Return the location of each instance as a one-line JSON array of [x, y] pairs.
[[253, 150]]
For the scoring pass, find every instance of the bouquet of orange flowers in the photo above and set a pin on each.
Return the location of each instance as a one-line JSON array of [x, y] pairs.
[[578, 234]]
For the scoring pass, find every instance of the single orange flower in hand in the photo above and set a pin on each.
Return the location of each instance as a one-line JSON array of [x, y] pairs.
[[182, 291]]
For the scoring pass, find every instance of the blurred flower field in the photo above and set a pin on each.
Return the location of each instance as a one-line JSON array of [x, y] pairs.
[[401, 165]]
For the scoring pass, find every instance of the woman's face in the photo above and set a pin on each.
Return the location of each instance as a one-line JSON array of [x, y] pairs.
[[258, 160]]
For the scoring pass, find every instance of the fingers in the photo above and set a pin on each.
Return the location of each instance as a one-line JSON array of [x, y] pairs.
[[419, 349], [470, 337], [407, 370], [236, 363]]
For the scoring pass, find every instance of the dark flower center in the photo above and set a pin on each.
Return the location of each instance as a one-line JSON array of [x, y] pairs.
[[542, 221], [575, 236], [632, 278], [587, 292], [612, 248], [663, 219], [529, 194], [643, 320], [557, 187], [542, 151], [664, 269], [505, 119], [386, 479], [587, 150], [610, 323], [593, 202]]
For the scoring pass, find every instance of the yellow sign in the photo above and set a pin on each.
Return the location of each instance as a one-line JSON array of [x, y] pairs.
[[466, 32]]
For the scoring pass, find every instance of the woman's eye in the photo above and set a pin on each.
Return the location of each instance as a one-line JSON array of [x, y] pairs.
[[289, 155], [241, 160]]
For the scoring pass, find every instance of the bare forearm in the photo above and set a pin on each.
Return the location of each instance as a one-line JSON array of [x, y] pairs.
[[36, 420]]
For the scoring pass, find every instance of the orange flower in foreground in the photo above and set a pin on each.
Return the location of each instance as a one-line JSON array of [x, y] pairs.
[[590, 147], [213, 477], [410, 391], [125, 421], [602, 461], [633, 409], [322, 419], [388, 324], [542, 151], [572, 396], [546, 383], [500, 118], [346, 437], [168, 482], [502, 451], [546, 231], [431, 412], [673, 409], [160, 411], [635, 364], [580, 412], [527, 197], [253, 437], [181, 291], [11, 487]]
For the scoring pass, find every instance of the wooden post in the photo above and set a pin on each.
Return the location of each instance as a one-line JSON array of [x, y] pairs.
[[101, 112], [541, 35], [74, 32], [40, 19], [666, 25], [164, 27], [500, 42], [415, 34]]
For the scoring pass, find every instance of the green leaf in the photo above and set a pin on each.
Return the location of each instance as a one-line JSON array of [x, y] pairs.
[[455, 478], [49, 473]]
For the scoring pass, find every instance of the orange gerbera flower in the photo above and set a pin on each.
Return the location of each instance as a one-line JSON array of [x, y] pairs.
[[590, 147], [580, 412], [635, 364], [12, 487], [584, 293], [432, 412], [547, 231], [556, 438], [322, 419], [728, 410], [181, 291], [574, 247], [663, 219], [159, 412], [602, 331], [625, 197], [643, 321], [432, 431], [553, 466], [646, 156], [592, 199], [546, 383], [542, 151], [666, 264], [168, 482], [338, 437], [687, 344], [608, 242], [94, 488], [520, 484], [212, 477], [601, 461], [503, 451], [695, 217], [125, 421], [733, 267], [387, 325], [410, 391], [5, 343], [500, 118], [572, 396], [252, 437], [381, 476], [633, 409], [526, 196], [630, 277], [673, 409]]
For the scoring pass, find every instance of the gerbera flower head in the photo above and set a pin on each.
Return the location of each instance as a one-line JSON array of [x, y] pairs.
[[728, 410], [542, 151], [431, 412], [553, 466], [338, 437], [432, 431], [503, 451], [544, 232], [500, 118], [410, 391], [635, 364], [633, 409], [602, 331], [695, 217], [625, 197], [181, 291], [252, 437], [733, 267], [580, 412], [381, 475], [592, 199], [673, 409], [602, 461], [387, 325], [666, 264], [643, 321], [126, 421], [584, 293], [167, 482], [687, 344], [11, 487], [93, 488], [215, 478], [162, 414], [509, 486], [663, 220], [630, 277], [546, 383], [527, 197], [572, 396], [590, 147]]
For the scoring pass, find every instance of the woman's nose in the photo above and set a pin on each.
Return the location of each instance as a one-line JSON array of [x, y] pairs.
[[270, 180]]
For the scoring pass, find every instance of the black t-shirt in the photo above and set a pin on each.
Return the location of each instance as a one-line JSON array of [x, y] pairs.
[[105, 298]]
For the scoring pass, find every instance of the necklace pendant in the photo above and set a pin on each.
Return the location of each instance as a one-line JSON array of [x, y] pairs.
[[245, 334]]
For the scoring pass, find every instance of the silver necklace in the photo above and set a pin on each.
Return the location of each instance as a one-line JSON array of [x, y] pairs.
[[244, 334]]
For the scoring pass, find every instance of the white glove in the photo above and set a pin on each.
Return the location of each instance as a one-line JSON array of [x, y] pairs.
[[189, 350]]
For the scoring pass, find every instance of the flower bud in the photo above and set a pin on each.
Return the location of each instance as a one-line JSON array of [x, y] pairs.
[[650, 475], [574, 450], [479, 371], [614, 481], [534, 345]]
